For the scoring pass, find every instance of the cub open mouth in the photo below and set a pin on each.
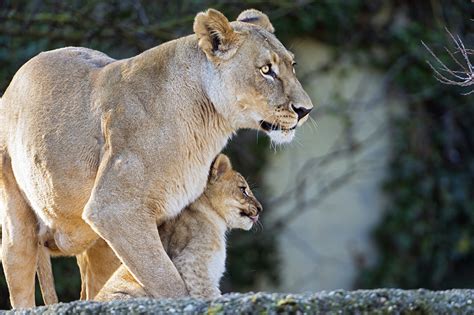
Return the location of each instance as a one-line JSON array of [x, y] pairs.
[[254, 218], [268, 126]]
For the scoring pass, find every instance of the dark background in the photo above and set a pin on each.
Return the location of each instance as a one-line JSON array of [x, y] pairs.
[[425, 238]]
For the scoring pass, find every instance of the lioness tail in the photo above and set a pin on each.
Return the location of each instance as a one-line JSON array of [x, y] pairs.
[[45, 276]]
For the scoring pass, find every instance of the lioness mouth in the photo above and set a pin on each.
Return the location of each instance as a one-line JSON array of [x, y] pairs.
[[268, 126]]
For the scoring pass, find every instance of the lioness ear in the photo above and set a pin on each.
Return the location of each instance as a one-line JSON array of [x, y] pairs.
[[256, 17], [220, 166], [215, 35]]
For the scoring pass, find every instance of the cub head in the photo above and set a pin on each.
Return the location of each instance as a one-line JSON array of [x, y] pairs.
[[229, 194], [250, 76]]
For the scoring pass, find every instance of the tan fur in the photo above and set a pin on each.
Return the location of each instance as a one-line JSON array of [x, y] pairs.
[[256, 17], [195, 240], [109, 148]]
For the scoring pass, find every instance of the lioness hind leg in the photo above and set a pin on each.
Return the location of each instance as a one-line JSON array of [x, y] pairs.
[[19, 242], [97, 264], [121, 286]]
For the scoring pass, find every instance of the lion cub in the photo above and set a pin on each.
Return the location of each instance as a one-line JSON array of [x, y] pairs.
[[195, 240]]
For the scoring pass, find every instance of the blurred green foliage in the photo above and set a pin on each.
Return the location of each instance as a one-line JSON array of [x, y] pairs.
[[425, 238]]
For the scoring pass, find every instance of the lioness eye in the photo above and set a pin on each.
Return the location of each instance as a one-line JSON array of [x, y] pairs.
[[266, 70]]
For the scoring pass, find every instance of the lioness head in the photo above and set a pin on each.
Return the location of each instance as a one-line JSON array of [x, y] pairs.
[[229, 194], [250, 76]]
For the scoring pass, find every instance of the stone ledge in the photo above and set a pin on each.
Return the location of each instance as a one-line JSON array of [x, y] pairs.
[[380, 301]]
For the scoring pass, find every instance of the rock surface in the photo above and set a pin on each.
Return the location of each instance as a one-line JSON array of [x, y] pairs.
[[381, 301]]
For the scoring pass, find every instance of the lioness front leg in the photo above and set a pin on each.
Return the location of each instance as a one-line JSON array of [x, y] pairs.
[[119, 213]]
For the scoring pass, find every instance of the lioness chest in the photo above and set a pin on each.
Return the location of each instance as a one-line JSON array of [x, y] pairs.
[[182, 188]]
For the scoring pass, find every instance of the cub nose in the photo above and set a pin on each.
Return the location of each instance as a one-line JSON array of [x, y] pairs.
[[301, 111], [259, 208]]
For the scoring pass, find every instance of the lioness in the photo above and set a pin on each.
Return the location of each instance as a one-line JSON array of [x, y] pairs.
[[98, 147], [195, 239]]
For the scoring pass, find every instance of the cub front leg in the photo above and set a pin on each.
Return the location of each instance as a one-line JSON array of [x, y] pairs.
[[118, 211], [194, 269]]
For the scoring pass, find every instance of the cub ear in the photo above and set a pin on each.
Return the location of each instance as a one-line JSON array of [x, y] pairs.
[[256, 17], [219, 167], [215, 35]]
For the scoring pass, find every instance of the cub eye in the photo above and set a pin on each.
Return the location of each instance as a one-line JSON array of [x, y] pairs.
[[294, 64], [243, 190]]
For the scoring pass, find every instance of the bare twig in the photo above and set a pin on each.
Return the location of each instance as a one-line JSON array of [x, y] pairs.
[[446, 75]]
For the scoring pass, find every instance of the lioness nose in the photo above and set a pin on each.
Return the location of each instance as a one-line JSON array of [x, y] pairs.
[[301, 111]]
